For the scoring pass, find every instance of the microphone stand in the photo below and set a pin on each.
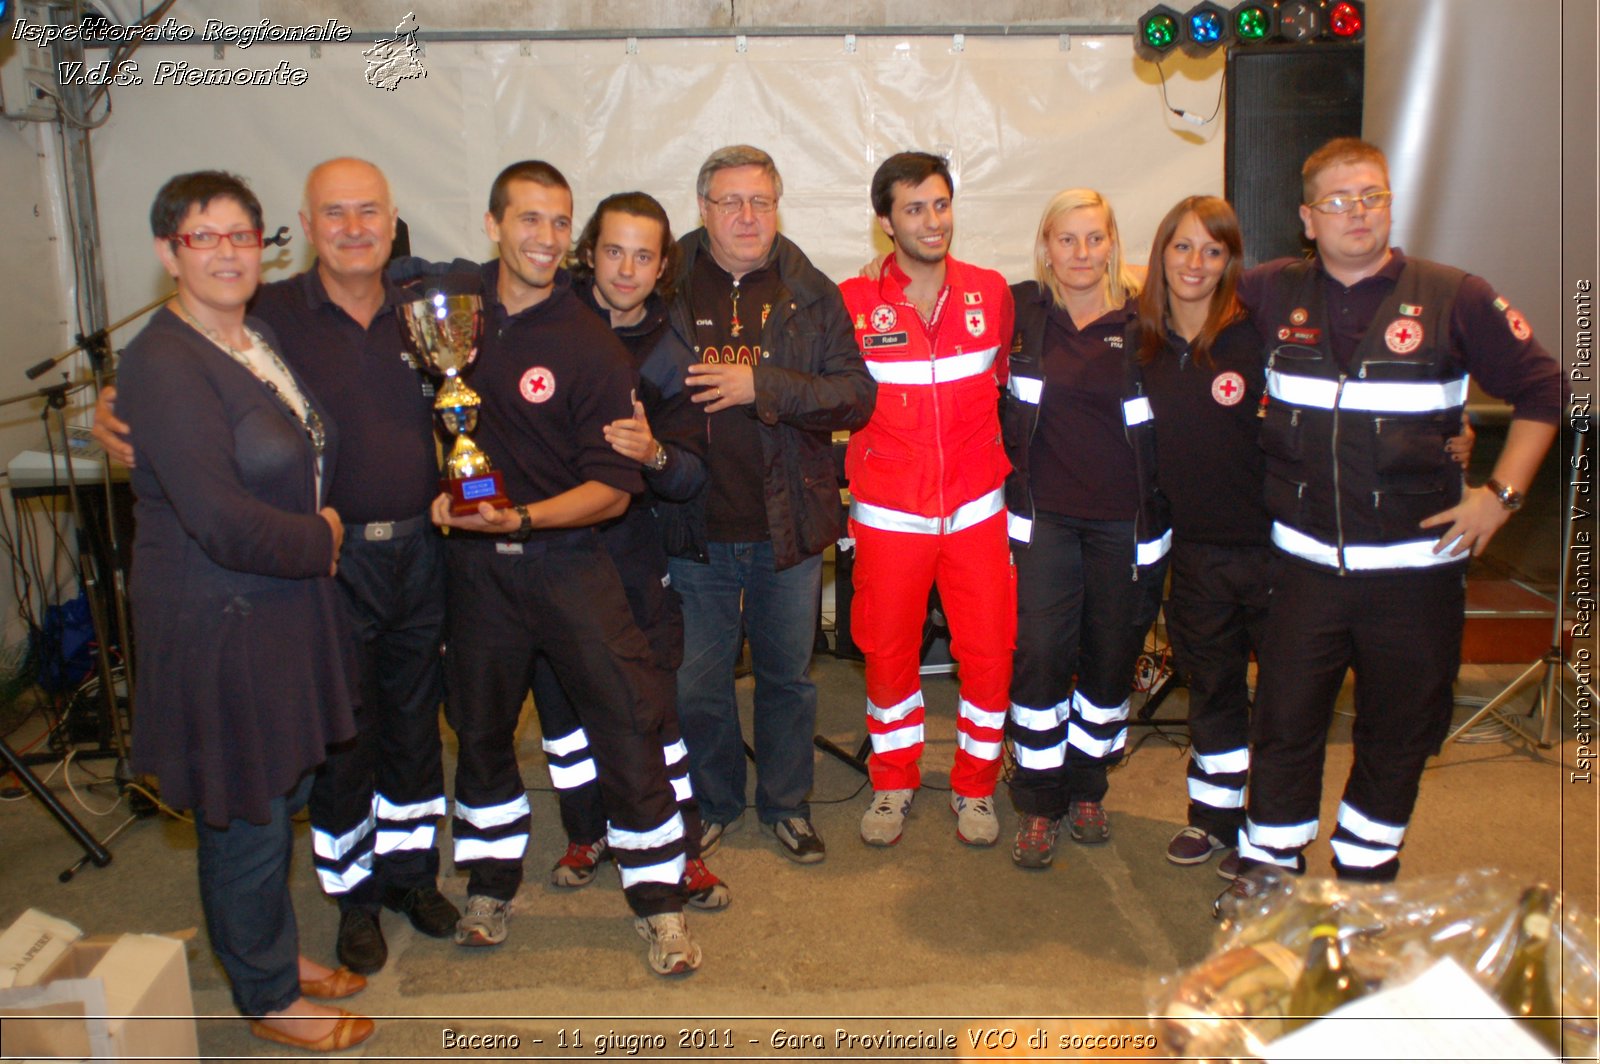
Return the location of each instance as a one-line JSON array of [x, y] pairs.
[[55, 397]]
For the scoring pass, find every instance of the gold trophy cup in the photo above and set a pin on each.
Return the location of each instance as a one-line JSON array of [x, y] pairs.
[[441, 332]]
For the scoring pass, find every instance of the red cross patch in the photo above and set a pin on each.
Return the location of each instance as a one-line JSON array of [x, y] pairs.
[[1403, 336], [1227, 388], [537, 385], [884, 318], [975, 322], [1519, 325]]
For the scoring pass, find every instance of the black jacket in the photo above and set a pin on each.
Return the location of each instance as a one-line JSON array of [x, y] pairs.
[[811, 381], [1019, 418], [1350, 471]]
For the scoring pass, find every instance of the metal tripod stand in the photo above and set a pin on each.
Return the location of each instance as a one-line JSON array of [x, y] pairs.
[[1548, 673]]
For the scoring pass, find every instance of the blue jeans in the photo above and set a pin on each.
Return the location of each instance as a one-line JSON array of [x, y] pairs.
[[781, 611], [244, 890]]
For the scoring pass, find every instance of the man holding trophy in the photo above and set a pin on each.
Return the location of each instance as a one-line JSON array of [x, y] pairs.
[[534, 579]]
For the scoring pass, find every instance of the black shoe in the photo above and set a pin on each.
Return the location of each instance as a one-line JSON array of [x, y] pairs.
[[799, 840], [429, 911], [361, 945]]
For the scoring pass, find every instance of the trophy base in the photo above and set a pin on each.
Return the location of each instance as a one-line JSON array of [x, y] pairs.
[[467, 492]]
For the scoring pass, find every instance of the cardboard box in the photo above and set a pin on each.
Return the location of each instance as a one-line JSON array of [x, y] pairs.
[[31, 946], [106, 997]]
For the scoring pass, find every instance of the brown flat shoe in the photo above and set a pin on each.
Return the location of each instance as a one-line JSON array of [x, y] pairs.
[[348, 1030], [341, 983]]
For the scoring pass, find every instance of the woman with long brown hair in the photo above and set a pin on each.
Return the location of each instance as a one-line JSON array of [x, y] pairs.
[[1202, 366]]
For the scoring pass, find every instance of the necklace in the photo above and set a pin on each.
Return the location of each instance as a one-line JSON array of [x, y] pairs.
[[310, 421], [736, 328]]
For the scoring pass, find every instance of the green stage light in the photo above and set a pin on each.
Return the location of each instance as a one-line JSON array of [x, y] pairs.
[[1158, 29], [1252, 23]]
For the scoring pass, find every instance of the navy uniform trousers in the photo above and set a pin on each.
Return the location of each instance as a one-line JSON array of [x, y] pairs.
[[561, 600]]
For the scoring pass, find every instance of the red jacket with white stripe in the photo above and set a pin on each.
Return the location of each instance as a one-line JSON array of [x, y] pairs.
[[933, 445]]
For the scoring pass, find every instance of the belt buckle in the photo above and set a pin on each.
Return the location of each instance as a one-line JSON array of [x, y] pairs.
[[380, 530]]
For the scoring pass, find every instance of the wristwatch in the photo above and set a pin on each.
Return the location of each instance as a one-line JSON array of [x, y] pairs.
[[658, 461], [1509, 497], [524, 527]]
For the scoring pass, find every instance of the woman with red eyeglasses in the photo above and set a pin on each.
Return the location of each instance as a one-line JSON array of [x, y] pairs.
[[242, 678]]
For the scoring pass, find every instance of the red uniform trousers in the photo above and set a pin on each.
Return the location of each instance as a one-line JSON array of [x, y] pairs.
[[977, 582]]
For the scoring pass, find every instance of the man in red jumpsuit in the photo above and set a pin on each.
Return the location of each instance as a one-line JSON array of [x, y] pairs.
[[926, 481]]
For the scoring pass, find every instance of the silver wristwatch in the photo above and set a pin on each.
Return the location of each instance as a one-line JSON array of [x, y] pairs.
[[1509, 497]]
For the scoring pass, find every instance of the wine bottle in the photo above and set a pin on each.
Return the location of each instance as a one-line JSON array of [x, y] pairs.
[[1524, 987], [1326, 982]]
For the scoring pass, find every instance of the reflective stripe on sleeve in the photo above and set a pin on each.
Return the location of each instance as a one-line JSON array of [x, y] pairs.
[[1153, 550], [1027, 389]]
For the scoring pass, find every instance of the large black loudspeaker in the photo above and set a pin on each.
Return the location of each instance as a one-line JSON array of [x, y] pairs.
[[1283, 104]]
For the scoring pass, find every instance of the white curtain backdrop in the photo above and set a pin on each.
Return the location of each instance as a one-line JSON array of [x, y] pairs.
[[1020, 119]]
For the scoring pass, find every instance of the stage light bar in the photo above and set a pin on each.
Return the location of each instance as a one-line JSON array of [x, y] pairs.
[[1208, 25]]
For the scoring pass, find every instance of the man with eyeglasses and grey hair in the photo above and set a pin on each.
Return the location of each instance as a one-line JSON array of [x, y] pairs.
[[777, 372], [1369, 355]]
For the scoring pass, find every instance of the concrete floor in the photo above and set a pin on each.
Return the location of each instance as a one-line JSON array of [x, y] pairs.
[[928, 930]]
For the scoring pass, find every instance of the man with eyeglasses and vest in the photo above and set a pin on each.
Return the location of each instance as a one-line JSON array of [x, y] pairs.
[[927, 485], [1369, 353]]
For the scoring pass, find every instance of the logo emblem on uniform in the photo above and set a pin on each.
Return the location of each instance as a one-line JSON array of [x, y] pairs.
[[884, 318], [1283, 333], [1411, 310], [972, 299], [1298, 316], [1501, 305], [1519, 325], [861, 321], [1403, 336], [537, 385], [1227, 388], [975, 322]]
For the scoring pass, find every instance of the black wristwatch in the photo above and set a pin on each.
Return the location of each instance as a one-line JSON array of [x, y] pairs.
[[524, 528], [1509, 497]]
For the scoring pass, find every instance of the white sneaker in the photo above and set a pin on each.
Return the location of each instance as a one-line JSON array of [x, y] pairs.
[[976, 824], [484, 922], [884, 819], [672, 951]]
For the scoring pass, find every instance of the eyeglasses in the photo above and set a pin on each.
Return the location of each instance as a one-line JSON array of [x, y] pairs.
[[203, 241], [1372, 201], [731, 205]]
